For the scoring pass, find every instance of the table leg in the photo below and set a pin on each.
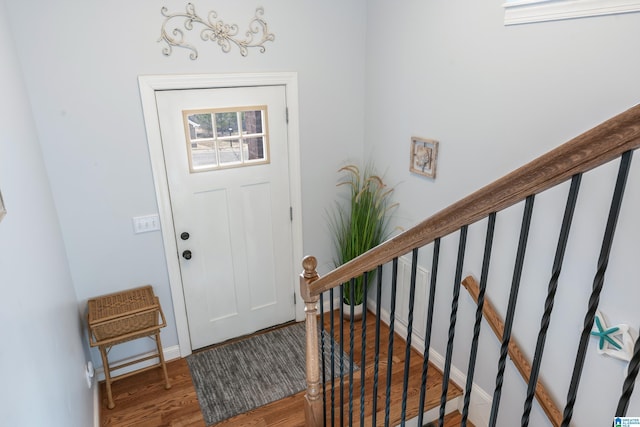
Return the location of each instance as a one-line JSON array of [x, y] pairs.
[[167, 385], [107, 376]]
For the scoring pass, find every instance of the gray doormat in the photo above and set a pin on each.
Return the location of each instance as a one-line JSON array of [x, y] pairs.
[[235, 378]]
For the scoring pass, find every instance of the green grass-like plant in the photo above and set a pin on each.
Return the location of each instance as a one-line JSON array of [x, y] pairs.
[[360, 224]]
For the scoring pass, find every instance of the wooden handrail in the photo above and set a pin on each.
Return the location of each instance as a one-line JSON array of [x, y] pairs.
[[517, 356], [593, 148]]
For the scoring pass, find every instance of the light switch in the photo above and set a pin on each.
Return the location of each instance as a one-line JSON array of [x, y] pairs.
[[143, 224]]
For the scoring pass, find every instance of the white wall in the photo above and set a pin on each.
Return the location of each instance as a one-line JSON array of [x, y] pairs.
[[81, 61], [41, 353], [496, 97]]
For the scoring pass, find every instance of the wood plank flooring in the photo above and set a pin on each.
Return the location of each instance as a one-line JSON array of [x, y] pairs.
[[142, 401]]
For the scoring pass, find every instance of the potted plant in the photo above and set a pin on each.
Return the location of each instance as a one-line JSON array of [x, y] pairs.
[[360, 223]]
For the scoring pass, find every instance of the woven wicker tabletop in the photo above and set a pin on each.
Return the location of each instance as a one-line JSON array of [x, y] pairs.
[[122, 313], [114, 305]]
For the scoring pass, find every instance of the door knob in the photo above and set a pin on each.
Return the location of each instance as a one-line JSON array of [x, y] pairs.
[[186, 254], [184, 235]]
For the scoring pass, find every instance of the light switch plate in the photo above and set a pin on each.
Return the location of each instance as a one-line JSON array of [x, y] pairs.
[[143, 224]]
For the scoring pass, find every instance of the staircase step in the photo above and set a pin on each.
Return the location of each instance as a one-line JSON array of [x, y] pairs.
[[433, 384], [454, 419]]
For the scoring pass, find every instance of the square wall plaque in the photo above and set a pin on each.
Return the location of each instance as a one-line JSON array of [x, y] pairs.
[[424, 153]]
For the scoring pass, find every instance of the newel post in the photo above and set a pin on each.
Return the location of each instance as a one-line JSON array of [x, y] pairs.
[[313, 399]]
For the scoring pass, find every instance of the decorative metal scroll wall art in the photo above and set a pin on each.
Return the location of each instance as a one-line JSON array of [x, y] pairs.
[[213, 30]]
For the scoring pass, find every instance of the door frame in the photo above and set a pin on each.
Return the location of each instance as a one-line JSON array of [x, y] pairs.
[[148, 85]]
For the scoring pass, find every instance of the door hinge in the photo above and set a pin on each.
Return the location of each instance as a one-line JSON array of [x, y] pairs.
[[291, 213], [286, 113], [294, 298]]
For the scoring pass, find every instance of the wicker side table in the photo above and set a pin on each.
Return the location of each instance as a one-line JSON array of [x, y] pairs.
[[125, 316]]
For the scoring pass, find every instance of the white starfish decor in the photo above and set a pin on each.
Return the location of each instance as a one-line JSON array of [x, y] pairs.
[[615, 341]]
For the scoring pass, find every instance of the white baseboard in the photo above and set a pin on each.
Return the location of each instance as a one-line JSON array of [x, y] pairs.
[[480, 404], [169, 353]]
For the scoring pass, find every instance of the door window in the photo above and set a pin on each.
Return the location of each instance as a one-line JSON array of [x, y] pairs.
[[230, 137]]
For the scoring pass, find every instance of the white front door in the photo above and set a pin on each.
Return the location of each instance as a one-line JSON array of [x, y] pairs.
[[226, 159]]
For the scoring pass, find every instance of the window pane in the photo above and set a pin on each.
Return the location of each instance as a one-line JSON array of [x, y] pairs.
[[254, 148], [252, 121], [227, 124], [200, 126], [229, 151], [203, 155], [221, 138]]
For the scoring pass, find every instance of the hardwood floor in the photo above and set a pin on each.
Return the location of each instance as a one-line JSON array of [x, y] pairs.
[[142, 401]]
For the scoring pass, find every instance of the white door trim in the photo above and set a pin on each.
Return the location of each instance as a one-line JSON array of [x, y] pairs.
[[148, 86]]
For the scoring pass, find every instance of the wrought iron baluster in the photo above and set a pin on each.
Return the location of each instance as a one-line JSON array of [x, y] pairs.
[[407, 352], [333, 364], [598, 283], [452, 323], [392, 317], [551, 293], [376, 363], [478, 321], [341, 332], [322, 359], [428, 327], [364, 343], [511, 307], [629, 381], [352, 285]]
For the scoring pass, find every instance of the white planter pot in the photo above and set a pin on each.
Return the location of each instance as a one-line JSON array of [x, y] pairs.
[[357, 311]]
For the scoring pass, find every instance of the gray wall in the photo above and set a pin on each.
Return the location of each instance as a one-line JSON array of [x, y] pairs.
[[496, 97], [41, 355], [371, 75], [81, 61]]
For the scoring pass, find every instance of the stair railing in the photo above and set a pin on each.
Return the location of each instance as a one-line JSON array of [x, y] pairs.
[[616, 137]]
